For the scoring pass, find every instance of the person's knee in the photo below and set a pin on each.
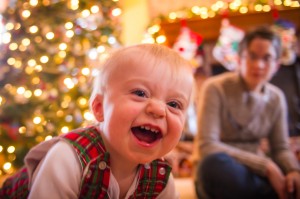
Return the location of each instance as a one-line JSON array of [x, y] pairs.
[[214, 163]]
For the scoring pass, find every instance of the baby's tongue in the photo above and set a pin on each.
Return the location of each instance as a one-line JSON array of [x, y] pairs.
[[144, 135]]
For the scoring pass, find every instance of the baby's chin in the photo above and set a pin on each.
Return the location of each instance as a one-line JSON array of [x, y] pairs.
[[147, 160]]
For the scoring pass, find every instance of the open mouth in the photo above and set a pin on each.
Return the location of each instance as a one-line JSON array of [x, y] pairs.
[[146, 134]]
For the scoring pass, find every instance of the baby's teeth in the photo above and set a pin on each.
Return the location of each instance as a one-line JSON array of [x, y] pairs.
[[147, 127], [153, 130]]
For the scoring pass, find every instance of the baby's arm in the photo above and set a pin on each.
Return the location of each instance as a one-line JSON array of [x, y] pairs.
[[169, 191], [57, 175]]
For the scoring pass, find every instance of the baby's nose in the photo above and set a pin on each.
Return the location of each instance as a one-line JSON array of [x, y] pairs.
[[156, 108]]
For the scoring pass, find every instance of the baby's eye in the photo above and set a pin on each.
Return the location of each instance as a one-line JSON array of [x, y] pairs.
[[174, 104], [139, 93]]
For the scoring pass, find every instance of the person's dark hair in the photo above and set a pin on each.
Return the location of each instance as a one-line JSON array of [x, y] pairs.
[[264, 33]]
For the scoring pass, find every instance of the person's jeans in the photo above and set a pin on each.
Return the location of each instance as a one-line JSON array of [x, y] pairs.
[[222, 177]]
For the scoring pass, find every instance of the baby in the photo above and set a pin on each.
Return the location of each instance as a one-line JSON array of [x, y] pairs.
[[140, 99]]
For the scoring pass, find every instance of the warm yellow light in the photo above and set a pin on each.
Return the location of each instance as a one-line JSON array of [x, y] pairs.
[[1, 148], [148, 40], [266, 8], [295, 4], [204, 15], [116, 12], [38, 39], [69, 83], [22, 48], [26, 13], [18, 64], [1, 102], [62, 46], [74, 4], [50, 35], [85, 13], [7, 166], [13, 46], [65, 129], [69, 118], [26, 42], [243, 9], [95, 9], [196, 10], [38, 92], [59, 113], [211, 14], [287, 3], [11, 61], [172, 15], [37, 120], [82, 101], [33, 2], [161, 39], [215, 7], [21, 90], [35, 80], [68, 25], [153, 29], [31, 62], [38, 68], [29, 70], [48, 137], [11, 149], [85, 71], [220, 4], [17, 26], [233, 5], [6, 38], [62, 54], [258, 7], [9, 26], [22, 130], [33, 29], [101, 49], [70, 33], [11, 157], [44, 59], [278, 2], [27, 94], [39, 139], [203, 10], [88, 116]]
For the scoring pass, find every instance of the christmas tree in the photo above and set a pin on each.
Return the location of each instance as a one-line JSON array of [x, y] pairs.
[[48, 51]]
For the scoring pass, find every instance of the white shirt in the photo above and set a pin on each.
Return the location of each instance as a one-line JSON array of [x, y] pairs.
[[58, 175]]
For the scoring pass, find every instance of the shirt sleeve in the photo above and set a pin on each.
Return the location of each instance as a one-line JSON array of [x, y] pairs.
[[169, 191], [278, 139], [57, 175]]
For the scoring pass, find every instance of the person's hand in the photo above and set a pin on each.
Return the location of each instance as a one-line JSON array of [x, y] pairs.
[[276, 179], [293, 183]]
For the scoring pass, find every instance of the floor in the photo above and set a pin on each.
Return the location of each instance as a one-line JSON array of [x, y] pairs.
[[185, 187]]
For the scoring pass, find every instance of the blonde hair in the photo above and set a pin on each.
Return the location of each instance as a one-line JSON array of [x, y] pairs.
[[136, 54]]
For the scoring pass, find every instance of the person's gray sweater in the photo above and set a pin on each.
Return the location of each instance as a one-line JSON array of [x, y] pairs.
[[233, 120]]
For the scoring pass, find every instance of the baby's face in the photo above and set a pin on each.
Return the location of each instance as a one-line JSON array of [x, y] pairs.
[[144, 110]]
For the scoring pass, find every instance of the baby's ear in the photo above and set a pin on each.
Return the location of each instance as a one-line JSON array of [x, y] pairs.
[[97, 107]]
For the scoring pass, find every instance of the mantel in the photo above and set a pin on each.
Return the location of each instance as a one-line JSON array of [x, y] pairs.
[[209, 28]]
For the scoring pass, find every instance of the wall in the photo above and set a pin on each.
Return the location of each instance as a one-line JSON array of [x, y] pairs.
[[135, 19]]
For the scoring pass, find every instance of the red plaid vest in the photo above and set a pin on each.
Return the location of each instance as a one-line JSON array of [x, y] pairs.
[[95, 162]]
